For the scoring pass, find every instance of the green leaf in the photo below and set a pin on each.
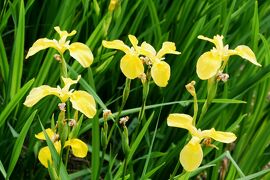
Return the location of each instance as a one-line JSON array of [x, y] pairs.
[[18, 54], [14, 101], [2, 169], [19, 143]]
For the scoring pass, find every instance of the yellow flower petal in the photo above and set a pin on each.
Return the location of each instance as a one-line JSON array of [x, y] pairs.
[[44, 155], [246, 53], [81, 53], [116, 44], [68, 82], [205, 38], [148, 50], [225, 137], [191, 156], [131, 66], [41, 44], [160, 73], [63, 34], [41, 135], [167, 48], [217, 40], [134, 41], [208, 65], [79, 148], [182, 121], [83, 102], [36, 94]]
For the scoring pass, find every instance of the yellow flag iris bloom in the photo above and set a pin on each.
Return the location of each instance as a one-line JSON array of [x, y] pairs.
[[210, 62], [130, 64], [79, 51], [191, 155], [78, 147], [81, 100], [160, 70]]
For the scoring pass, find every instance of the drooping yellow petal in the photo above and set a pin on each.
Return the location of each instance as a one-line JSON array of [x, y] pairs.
[[81, 53], [167, 48], [208, 65], [79, 148], [116, 44], [36, 94], [41, 44], [44, 155], [160, 73], [83, 102], [246, 53], [225, 137], [131, 66], [41, 135], [181, 121], [191, 156]]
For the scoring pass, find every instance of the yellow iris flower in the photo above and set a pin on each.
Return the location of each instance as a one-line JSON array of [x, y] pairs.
[[160, 70], [191, 155], [78, 147], [81, 100], [130, 64], [78, 51], [210, 62]]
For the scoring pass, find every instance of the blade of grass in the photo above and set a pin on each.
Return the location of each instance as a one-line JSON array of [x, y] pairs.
[[18, 54], [18, 144], [14, 101]]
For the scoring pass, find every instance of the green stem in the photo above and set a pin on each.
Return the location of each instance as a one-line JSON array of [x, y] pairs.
[[211, 93], [175, 170], [125, 168], [195, 110], [124, 100], [63, 67], [142, 110], [66, 159]]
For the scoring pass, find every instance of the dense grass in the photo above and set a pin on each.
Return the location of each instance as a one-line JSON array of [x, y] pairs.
[[155, 147]]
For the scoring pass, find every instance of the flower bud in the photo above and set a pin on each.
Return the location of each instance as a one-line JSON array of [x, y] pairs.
[[191, 88]]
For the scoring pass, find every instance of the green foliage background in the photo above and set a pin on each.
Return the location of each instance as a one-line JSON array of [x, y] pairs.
[[155, 21]]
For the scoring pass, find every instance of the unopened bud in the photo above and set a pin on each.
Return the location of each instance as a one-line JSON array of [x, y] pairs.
[[72, 122], [112, 5], [191, 88], [142, 77], [123, 120], [106, 114], [55, 137], [62, 106], [57, 57], [223, 77]]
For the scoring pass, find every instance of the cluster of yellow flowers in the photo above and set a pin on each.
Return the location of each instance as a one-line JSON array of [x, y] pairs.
[[80, 100], [209, 65], [132, 65]]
